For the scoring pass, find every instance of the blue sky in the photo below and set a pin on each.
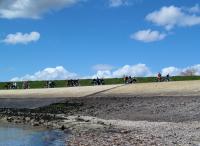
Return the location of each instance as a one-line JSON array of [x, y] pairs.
[[87, 37]]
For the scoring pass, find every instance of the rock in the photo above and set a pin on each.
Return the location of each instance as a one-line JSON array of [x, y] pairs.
[[10, 119], [41, 121], [36, 124], [87, 120], [17, 121], [27, 119], [125, 131], [79, 119], [101, 123], [63, 127]]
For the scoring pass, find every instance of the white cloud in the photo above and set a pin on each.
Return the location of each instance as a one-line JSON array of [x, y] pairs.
[[172, 16], [138, 70], [142, 70], [174, 71], [20, 38], [132, 70], [148, 36], [57, 73], [103, 74], [118, 3], [194, 9], [102, 67], [60, 73], [192, 70], [34, 9], [129, 70]]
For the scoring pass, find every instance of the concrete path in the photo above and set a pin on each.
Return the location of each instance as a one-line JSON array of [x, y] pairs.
[[180, 88], [33, 98], [40, 97]]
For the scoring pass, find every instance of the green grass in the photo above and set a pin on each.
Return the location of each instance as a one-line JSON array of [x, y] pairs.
[[87, 82], [185, 78]]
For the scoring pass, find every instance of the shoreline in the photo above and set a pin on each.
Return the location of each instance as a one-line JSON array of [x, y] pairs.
[[124, 121], [119, 115]]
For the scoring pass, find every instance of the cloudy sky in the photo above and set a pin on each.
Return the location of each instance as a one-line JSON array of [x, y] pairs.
[[60, 39]]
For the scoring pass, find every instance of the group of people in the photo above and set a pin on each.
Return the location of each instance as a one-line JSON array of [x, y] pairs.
[[98, 81], [26, 85], [129, 80], [50, 84], [12, 85], [73, 83], [160, 78], [69, 83]]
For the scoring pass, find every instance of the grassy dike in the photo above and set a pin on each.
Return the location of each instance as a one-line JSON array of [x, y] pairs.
[[110, 81]]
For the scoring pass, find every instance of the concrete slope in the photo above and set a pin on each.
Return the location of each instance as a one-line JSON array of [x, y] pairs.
[[41, 97], [180, 88], [33, 98], [56, 92]]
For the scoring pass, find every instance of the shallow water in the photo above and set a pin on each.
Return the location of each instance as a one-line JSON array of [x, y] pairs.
[[24, 136]]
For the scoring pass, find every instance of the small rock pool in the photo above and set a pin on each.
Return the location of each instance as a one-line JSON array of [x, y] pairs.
[[12, 135]]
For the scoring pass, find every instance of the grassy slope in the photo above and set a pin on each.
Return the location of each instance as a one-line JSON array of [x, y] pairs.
[[87, 82]]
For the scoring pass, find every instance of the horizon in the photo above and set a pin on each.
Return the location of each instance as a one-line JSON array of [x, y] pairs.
[[63, 39]]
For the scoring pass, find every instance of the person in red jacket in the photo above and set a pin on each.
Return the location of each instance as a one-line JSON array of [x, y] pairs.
[[159, 77]]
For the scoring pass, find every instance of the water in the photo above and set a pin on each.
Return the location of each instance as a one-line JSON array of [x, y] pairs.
[[24, 136]]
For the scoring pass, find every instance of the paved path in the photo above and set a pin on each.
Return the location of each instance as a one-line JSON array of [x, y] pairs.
[[40, 97], [34, 98], [180, 88]]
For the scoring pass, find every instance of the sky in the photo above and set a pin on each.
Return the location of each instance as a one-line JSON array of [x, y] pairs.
[[62, 39]]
